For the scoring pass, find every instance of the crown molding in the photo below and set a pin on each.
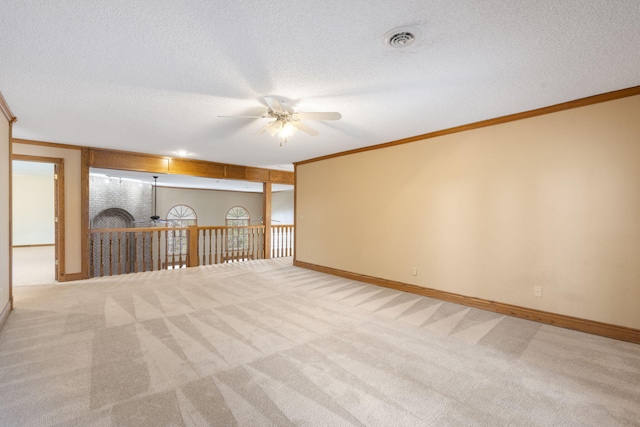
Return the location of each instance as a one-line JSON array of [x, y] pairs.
[[6, 111], [577, 103]]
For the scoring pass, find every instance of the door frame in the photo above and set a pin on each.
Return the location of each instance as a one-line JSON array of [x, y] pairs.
[[58, 196]]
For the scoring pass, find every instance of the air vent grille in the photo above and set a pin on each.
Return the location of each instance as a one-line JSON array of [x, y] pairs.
[[401, 37]]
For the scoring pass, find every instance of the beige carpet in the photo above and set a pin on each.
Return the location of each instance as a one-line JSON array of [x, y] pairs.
[[265, 343]]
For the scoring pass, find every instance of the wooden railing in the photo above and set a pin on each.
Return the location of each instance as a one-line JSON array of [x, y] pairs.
[[114, 251], [281, 241], [229, 244]]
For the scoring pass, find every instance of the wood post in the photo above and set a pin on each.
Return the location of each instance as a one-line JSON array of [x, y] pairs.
[[266, 218], [192, 256]]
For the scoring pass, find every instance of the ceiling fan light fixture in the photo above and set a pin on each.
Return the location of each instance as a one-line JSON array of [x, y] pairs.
[[287, 130]]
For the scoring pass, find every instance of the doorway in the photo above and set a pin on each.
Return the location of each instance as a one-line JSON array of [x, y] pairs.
[[37, 226]]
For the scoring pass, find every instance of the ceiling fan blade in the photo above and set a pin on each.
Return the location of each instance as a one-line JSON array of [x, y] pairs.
[[305, 128], [262, 130], [274, 104], [272, 128], [319, 116]]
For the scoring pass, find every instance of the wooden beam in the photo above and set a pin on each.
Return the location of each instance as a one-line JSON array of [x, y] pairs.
[[140, 162], [124, 160]]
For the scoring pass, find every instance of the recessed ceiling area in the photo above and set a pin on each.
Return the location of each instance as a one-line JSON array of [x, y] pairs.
[[153, 77], [185, 181]]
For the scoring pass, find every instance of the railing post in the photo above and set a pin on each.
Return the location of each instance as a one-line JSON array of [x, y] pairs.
[[266, 216], [192, 254]]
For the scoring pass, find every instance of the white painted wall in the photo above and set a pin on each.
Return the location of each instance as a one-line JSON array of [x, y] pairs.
[[33, 209]]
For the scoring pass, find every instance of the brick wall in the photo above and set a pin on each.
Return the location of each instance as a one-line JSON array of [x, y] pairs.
[[133, 197]]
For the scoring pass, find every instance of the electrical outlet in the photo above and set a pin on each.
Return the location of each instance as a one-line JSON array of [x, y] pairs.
[[537, 291], [414, 271]]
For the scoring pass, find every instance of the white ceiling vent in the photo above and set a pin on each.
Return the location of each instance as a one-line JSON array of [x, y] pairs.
[[401, 37]]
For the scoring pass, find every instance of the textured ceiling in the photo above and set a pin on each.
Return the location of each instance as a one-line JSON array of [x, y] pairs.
[[153, 76]]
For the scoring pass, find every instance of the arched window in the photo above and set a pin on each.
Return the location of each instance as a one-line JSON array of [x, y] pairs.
[[237, 239], [179, 216]]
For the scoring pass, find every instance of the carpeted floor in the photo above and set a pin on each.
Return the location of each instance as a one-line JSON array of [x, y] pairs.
[[34, 265], [265, 343]]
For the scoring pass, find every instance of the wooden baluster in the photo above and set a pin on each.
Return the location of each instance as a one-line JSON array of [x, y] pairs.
[[274, 242], [110, 254], [255, 242], [144, 252], [119, 254], [151, 241], [216, 242], [241, 237], [127, 252], [236, 244], [92, 272], [282, 240], [159, 261], [135, 250], [210, 231], [173, 245], [166, 249], [224, 245], [103, 254], [245, 243]]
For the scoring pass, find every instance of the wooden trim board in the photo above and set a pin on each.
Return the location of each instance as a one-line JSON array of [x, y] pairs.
[[84, 212], [37, 245], [622, 333], [45, 144], [72, 277]]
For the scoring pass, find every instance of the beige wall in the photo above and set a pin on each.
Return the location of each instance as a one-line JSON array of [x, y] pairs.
[[282, 207], [5, 203], [552, 201], [72, 202], [211, 206]]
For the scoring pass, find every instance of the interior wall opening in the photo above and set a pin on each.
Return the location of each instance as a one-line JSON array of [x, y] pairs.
[[34, 223]]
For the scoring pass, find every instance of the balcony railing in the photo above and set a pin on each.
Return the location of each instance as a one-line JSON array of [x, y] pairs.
[[114, 251]]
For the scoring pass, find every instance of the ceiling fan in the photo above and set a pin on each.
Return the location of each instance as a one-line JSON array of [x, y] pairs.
[[155, 218], [285, 121]]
